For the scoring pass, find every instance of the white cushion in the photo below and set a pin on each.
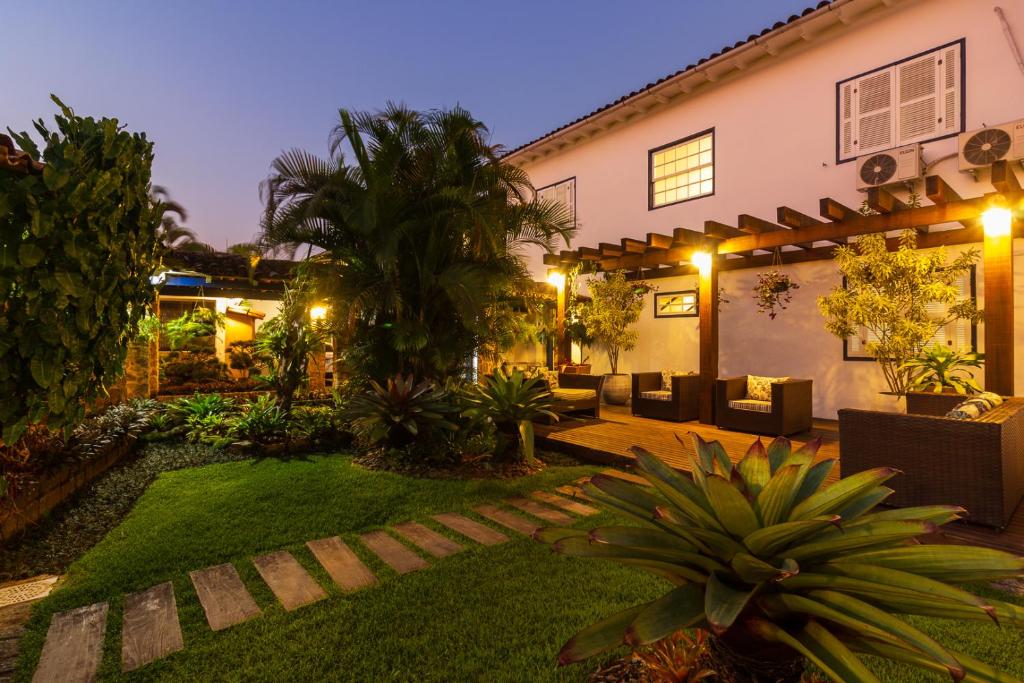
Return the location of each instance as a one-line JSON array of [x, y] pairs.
[[750, 404], [657, 395]]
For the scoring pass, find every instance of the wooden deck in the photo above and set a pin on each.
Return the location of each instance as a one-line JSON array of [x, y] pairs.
[[609, 439]]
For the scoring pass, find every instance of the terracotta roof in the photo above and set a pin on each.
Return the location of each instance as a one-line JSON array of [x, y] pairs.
[[220, 265], [728, 48], [14, 159]]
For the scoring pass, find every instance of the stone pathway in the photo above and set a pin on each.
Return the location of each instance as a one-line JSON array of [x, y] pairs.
[[16, 600], [151, 630]]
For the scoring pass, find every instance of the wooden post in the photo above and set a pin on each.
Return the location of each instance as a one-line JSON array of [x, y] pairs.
[[998, 265], [708, 304], [562, 348]]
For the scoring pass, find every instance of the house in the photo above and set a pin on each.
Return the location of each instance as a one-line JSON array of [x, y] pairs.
[[781, 119]]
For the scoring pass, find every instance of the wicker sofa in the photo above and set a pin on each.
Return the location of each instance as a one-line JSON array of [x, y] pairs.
[[578, 394], [977, 464], [679, 404], [789, 411]]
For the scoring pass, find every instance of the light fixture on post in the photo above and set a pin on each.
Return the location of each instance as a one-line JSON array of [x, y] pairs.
[[556, 279], [997, 269], [318, 312], [702, 260], [997, 221]]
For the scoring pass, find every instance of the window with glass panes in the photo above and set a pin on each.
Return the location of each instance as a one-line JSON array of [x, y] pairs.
[[683, 170]]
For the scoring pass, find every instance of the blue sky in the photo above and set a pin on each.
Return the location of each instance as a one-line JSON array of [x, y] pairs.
[[223, 87]]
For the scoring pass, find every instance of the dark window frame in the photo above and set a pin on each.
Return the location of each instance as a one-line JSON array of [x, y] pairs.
[[650, 170], [575, 195]]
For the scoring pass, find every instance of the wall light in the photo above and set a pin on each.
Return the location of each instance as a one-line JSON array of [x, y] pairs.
[[997, 221], [556, 279], [318, 312], [702, 260]]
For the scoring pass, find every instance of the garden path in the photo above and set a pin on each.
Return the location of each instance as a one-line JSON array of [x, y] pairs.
[[150, 630]]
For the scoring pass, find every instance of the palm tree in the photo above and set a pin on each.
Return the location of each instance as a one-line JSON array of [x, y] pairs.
[[418, 238], [171, 235]]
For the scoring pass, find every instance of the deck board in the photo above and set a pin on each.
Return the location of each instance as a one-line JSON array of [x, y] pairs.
[[609, 440]]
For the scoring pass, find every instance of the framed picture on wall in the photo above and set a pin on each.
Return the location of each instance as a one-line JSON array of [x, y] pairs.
[[961, 335], [676, 304]]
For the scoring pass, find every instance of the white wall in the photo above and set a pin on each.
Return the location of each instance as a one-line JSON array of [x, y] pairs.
[[775, 145]]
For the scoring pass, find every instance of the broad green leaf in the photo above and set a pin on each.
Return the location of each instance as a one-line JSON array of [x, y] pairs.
[[837, 657], [600, 637], [772, 539], [946, 563], [553, 534], [754, 468], [775, 499], [977, 671], [855, 510], [680, 608], [30, 255], [526, 439], [773, 633], [835, 497], [731, 507], [835, 543], [936, 514], [778, 451], [723, 603], [582, 546], [710, 454], [628, 492], [813, 480], [755, 570], [678, 489], [639, 537]]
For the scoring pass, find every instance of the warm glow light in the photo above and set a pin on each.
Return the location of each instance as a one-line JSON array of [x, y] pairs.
[[702, 260], [997, 221], [318, 312], [556, 279]]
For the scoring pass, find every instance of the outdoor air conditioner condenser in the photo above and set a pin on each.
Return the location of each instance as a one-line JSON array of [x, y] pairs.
[[891, 166], [985, 146]]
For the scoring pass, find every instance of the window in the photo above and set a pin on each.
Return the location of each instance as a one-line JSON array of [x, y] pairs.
[[563, 192], [914, 100], [682, 170]]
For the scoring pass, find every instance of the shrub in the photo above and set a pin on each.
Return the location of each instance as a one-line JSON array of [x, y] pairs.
[[79, 244], [201, 405], [614, 308], [511, 402], [397, 415], [938, 368], [782, 569], [259, 420]]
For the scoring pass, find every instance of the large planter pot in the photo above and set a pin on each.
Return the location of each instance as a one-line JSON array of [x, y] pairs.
[[616, 389], [888, 402]]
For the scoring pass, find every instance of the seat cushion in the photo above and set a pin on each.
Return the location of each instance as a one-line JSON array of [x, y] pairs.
[[975, 406], [751, 404], [657, 395], [760, 388], [564, 394]]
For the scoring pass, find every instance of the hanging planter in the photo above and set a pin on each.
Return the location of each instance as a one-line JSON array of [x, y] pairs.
[[774, 289]]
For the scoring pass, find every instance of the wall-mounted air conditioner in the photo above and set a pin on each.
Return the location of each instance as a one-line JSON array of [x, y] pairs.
[[986, 146], [886, 168]]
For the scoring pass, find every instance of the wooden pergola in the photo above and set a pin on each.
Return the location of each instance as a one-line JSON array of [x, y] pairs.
[[752, 242]]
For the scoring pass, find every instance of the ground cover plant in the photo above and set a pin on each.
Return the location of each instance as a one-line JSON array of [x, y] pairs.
[[783, 570]]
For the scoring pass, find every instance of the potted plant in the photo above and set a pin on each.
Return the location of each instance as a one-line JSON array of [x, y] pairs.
[[614, 308], [889, 294], [581, 368], [773, 292], [940, 369]]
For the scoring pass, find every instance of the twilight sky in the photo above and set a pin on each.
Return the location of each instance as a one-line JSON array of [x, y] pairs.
[[223, 87]]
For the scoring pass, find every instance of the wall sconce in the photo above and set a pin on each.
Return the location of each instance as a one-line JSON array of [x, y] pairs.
[[702, 260], [997, 221], [317, 313], [556, 279]]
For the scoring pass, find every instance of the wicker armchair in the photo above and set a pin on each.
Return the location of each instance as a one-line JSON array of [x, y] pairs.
[[680, 404], [977, 464], [578, 394], [789, 412]]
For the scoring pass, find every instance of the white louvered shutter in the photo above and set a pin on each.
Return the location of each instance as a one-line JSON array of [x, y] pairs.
[[929, 97], [564, 193], [846, 149], [873, 103]]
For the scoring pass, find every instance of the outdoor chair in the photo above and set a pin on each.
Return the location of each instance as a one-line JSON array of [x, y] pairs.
[[651, 399], [788, 411], [977, 464], [577, 394]]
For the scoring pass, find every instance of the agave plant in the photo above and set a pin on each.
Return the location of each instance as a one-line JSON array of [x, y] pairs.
[[939, 367], [512, 401], [782, 568], [401, 412]]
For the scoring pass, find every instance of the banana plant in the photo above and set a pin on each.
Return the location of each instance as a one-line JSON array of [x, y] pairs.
[[938, 368], [779, 565]]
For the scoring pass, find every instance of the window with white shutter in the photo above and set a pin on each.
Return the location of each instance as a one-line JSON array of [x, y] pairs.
[[914, 100], [563, 192]]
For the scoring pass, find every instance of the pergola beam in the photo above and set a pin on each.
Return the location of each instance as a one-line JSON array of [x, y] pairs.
[[792, 218], [938, 191], [756, 226], [883, 201], [1003, 178]]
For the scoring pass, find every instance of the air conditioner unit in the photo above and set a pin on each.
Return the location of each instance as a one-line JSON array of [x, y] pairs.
[[892, 166], [986, 146]]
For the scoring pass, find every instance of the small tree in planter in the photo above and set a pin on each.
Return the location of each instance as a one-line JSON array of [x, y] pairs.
[[888, 294], [614, 308]]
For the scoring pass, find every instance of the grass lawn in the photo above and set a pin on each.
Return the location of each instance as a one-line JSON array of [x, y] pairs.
[[497, 614]]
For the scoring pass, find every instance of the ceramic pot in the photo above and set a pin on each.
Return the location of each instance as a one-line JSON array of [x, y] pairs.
[[616, 389]]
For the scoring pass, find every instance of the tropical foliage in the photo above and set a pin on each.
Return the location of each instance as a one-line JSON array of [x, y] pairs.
[[286, 341], [773, 292], [614, 308], [889, 293], [939, 368], [171, 234], [78, 242], [396, 415], [512, 402], [782, 568], [418, 231]]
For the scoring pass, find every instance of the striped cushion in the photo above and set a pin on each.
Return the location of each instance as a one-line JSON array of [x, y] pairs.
[[975, 406], [751, 404], [573, 394], [657, 395]]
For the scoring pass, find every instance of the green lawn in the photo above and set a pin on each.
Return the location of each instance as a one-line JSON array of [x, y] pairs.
[[495, 614]]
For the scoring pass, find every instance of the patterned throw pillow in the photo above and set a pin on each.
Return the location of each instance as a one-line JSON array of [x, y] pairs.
[[760, 388], [551, 377], [975, 406], [667, 375]]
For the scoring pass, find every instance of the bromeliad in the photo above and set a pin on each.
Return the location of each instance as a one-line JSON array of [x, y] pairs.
[[783, 569]]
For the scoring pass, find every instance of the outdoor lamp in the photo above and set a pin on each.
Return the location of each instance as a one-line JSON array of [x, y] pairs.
[[997, 221], [556, 278], [318, 312], [702, 260]]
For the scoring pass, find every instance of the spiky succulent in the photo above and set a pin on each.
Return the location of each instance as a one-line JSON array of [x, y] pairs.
[[778, 564]]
